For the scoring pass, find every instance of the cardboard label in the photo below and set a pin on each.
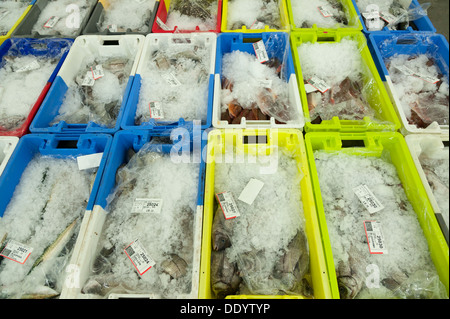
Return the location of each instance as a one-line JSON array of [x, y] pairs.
[[139, 257], [319, 84], [368, 199], [89, 161], [260, 51], [51, 22], [147, 206], [16, 251], [375, 238], [156, 111], [251, 191], [228, 205]]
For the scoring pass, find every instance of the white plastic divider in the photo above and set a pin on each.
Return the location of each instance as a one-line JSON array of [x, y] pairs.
[[407, 128], [7, 146], [425, 143]]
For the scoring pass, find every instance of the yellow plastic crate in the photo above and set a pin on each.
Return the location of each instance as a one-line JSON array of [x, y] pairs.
[[377, 98], [284, 17], [291, 140], [8, 35], [375, 144]]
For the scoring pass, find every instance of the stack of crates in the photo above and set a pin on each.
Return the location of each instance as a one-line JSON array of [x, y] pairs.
[[141, 124]]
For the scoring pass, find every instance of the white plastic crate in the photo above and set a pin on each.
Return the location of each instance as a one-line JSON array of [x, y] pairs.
[[7, 146]]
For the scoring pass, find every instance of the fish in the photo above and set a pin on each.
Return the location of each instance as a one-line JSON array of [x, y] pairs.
[[434, 181], [221, 231], [175, 266], [57, 246], [41, 292], [350, 275], [225, 279], [195, 9]]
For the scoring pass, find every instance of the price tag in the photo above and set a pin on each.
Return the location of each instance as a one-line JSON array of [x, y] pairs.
[[16, 251], [171, 79], [251, 191], [257, 25], [407, 71], [324, 11], [89, 161], [51, 22], [156, 111], [388, 17], [147, 206], [98, 72], [319, 84], [260, 51], [228, 205], [29, 67], [88, 79], [368, 199], [139, 257], [375, 238]]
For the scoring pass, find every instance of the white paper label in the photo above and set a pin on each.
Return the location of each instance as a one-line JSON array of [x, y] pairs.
[[257, 25], [260, 51], [368, 199], [319, 84], [251, 191], [228, 205], [139, 257], [375, 238], [388, 17], [29, 67], [89, 161], [98, 72], [51, 22], [171, 79], [407, 71], [324, 11], [156, 111], [309, 88], [147, 206], [88, 79], [161, 24], [16, 251]]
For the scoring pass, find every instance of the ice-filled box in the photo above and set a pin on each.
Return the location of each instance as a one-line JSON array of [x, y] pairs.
[[380, 234], [174, 82], [113, 17], [28, 68], [414, 68], [255, 82], [322, 14], [144, 237], [11, 13], [339, 83], [174, 16], [48, 189], [260, 229], [255, 16], [394, 16], [55, 18], [7, 146], [430, 153], [92, 87]]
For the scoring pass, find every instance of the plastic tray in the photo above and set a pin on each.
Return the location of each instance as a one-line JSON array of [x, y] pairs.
[[7, 147], [384, 45], [161, 15], [97, 14], [129, 45], [374, 145], [351, 14], [229, 42], [86, 247], [8, 35], [25, 46], [239, 141], [202, 39], [25, 27], [284, 20], [418, 144], [385, 108], [421, 24]]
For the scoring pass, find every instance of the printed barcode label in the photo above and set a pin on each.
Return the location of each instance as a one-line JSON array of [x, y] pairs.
[[16, 251], [88, 79], [51, 22], [257, 25], [388, 17], [228, 205], [147, 206], [161, 24], [139, 257], [375, 238], [407, 71], [325, 11], [319, 84], [156, 111], [98, 72], [260, 51], [29, 67], [171, 79], [368, 199]]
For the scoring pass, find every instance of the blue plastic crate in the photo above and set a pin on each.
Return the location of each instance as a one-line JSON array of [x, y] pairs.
[[384, 45], [136, 139], [422, 24], [104, 46], [154, 41], [54, 146]]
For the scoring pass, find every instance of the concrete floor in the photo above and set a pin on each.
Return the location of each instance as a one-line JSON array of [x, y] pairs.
[[438, 14]]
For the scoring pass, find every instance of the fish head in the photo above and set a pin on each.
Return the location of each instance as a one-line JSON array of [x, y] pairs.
[[348, 287], [220, 240]]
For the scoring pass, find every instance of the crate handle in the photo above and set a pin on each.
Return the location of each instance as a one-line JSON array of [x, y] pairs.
[[251, 40], [67, 144], [352, 143], [255, 139], [406, 41], [111, 42], [445, 143]]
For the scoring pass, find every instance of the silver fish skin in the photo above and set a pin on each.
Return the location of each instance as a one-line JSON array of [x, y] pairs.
[[224, 276], [221, 231]]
